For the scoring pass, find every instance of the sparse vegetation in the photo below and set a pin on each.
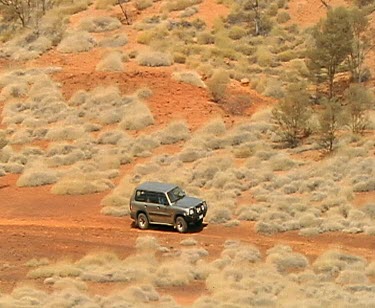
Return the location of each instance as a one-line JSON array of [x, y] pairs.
[[281, 273]]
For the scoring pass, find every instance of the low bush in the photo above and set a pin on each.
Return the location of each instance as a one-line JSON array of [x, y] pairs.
[[80, 185], [217, 85], [65, 133], [236, 32], [282, 17], [116, 40], [190, 77], [173, 133], [179, 5], [264, 56], [154, 58], [137, 116], [32, 177], [285, 259], [113, 62], [352, 277], [99, 24], [76, 42]]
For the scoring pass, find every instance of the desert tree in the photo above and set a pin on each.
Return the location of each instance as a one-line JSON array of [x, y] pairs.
[[330, 121], [251, 13], [357, 101], [333, 39], [24, 10], [17, 10], [363, 43], [291, 115]]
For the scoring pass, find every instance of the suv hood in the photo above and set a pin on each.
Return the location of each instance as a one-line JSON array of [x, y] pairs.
[[187, 202]]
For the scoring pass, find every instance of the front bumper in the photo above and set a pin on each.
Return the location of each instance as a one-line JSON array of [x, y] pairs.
[[197, 216]]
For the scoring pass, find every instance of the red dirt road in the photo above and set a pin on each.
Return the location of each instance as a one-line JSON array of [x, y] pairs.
[[36, 224]]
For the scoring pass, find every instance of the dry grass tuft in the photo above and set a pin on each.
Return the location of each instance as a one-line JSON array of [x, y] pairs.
[[137, 116], [113, 62], [76, 42], [99, 24], [190, 77], [154, 58]]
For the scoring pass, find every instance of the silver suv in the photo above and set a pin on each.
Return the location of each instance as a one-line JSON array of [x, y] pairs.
[[165, 204]]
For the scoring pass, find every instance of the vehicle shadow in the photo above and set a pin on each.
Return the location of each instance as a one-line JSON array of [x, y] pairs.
[[163, 228]]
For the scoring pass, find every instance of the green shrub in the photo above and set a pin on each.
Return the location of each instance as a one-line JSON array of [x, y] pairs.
[[236, 32], [205, 38], [272, 9], [287, 55], [264, 56], [282, 17], [149, 36]]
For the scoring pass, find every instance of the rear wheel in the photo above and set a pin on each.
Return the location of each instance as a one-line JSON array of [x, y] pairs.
[[142, 221], [181, 224]]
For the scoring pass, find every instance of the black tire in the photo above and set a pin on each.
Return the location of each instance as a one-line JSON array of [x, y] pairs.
[[142, 221], [181, 224]]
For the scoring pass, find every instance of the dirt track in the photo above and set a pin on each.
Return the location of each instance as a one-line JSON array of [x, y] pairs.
[[68, 227]]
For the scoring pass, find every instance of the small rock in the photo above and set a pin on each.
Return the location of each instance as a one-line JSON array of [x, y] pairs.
[[245, 81]]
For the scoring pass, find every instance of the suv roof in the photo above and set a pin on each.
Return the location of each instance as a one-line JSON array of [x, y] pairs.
[[156, 186]]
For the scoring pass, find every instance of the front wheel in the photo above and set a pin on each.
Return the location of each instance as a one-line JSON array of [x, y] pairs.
[[142, 221], [181, 224]]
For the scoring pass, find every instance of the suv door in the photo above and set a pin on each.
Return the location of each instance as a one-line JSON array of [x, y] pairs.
[[157, 205]]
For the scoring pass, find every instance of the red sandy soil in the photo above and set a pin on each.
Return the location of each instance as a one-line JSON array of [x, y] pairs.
[[37, 224]]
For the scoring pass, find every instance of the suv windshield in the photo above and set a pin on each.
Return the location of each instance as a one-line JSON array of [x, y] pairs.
[[176, 194]]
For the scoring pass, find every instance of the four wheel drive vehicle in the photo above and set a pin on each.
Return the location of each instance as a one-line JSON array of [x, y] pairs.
[[165, 204]]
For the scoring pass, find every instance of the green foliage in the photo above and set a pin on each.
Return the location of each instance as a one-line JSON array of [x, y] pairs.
[[236, 32], [330, 120], [333, 42], [291, 115], [264, 56], [363, 42], [282, 17], [358, 100], [217, 85]]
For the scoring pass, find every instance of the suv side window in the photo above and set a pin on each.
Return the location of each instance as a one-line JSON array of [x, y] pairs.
[[162, 199]]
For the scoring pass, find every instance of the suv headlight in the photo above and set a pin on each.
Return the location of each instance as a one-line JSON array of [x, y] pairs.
[[191, 212]]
